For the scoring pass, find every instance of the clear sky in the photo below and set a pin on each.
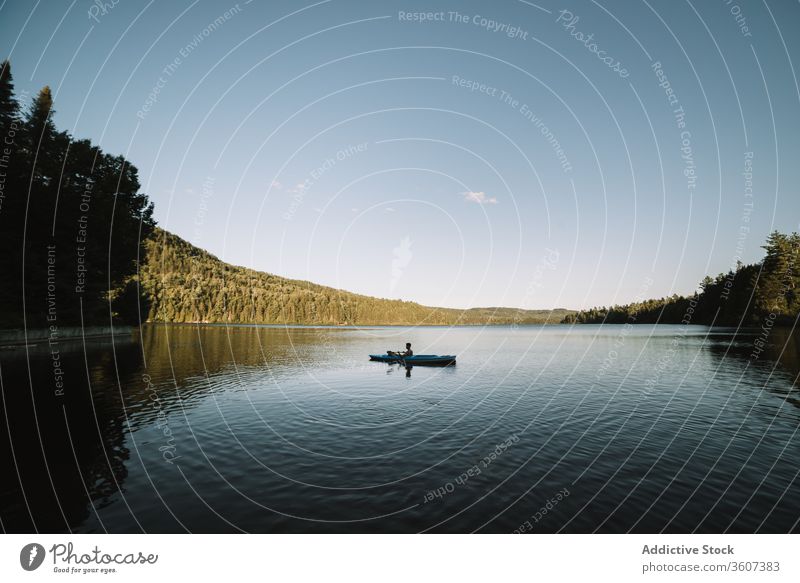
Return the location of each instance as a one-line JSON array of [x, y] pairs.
[[483, 154]]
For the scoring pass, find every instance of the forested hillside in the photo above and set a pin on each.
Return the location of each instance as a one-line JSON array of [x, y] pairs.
[[183, 283], [764, 292], [73, 223]]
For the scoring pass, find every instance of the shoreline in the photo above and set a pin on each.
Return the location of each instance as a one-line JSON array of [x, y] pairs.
[[487, 325], [17, 338]]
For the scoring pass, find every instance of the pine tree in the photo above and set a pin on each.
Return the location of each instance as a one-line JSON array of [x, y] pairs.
[[776, 274], [10, 195], [40, 115], [9, 108], [68, 196]]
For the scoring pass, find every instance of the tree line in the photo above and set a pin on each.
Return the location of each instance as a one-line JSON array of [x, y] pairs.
[[184, 283], [744, 296], [75, 232], [72, 222], [80, 247]]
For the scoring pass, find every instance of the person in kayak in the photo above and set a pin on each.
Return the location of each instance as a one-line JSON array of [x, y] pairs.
[[406, 352]]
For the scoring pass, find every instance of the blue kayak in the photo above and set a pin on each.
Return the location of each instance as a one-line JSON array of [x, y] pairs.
[[416, 360]]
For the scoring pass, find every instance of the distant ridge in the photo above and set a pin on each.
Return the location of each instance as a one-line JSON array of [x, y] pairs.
[[183, 283]]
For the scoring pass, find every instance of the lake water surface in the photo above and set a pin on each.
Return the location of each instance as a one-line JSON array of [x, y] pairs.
[[536, 429]]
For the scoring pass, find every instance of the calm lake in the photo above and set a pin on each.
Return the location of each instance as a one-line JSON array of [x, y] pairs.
[[536, 429]]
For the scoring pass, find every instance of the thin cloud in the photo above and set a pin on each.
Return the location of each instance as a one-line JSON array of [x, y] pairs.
[[298, 188], [479, 197]]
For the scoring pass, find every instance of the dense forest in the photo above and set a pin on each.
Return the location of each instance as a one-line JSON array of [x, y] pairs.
[[183, 283], [764, 292], [75, 229], [71, 222], [80, 247]]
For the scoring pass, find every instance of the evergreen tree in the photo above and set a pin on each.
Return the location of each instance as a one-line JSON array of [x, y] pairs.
[[777, 284], [10, 194], [9, 108], [40, 119], [72, 224]]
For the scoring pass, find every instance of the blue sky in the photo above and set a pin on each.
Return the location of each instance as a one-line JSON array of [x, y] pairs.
[[488, 153]]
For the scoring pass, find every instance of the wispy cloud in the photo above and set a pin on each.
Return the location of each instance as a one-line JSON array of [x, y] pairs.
[[478, 197], [298, 188]]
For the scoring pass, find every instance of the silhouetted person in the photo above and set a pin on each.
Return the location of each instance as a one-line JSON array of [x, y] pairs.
[[406, 352]]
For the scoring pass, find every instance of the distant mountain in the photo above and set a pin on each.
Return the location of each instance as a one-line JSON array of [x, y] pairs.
[[183, 283]]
